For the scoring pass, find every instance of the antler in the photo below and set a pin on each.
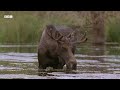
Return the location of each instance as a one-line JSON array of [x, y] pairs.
[[70, 36], [83, 36], [53, 33], [82, 39], [59, 37]]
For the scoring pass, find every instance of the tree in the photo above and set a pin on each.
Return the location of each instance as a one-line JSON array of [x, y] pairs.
[[98, 31]]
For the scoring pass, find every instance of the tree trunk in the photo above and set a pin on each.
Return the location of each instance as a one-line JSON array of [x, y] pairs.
[[98, 32]]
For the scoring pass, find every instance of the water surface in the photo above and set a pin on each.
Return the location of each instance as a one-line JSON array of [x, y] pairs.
[[94, 62]]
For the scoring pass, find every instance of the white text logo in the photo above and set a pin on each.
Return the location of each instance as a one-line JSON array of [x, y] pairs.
[[8, 16]]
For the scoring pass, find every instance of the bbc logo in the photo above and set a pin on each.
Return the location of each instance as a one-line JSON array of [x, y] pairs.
[[8, 16]]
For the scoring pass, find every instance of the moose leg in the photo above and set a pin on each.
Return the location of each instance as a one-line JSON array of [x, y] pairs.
[[43, 61], [61, 63]]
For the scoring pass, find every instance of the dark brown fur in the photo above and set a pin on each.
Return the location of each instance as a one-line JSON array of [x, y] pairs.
[[56, 48]]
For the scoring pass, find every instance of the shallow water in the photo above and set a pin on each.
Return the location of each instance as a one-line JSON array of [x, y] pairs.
[[94, 62]]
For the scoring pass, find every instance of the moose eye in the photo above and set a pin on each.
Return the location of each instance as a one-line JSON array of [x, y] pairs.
[[64, 49]]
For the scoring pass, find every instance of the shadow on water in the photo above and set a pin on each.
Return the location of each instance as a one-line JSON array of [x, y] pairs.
[[20, 61]]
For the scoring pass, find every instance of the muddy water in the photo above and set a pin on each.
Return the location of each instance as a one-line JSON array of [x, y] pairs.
[[94, 62]]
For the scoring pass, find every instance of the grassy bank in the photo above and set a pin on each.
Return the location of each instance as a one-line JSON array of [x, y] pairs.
[[113, 30], [26, 27]]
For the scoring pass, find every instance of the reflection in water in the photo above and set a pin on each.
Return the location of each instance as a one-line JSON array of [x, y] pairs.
[[98, 50], [97, 59], [18, 48]]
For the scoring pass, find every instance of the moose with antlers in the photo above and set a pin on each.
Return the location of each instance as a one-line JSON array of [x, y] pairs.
[[57, 47]]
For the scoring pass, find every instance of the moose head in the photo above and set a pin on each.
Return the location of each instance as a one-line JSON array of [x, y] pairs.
[[65, 46]]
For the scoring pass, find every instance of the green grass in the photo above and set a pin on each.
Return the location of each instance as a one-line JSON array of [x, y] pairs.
[[113, 31], [20, 29], [26, 27]]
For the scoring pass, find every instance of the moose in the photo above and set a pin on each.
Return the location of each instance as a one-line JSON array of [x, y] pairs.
[[57, 47]]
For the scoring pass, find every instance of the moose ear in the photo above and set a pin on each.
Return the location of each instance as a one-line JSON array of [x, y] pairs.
[[53, 33], [50, 29]]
